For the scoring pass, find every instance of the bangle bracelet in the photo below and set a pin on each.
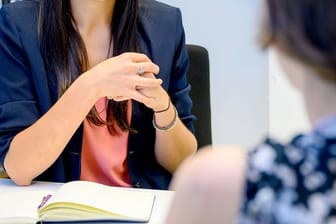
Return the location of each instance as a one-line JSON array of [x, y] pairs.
[[160, 111], [170, 126]]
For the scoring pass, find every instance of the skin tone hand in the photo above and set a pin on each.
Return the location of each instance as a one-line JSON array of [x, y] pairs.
[[125, 83], [158, 94], [159, 97], [171, 147], [39, 145]]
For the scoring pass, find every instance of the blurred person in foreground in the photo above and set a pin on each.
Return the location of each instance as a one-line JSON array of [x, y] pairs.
[[275, 182]]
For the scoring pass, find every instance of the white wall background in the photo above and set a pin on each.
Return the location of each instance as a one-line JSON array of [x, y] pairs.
[[239, 79]]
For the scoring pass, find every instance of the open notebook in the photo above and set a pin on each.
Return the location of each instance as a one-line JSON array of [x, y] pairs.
[[77, 201]]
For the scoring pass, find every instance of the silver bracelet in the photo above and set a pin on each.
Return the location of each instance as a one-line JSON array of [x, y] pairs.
[[170, 126]]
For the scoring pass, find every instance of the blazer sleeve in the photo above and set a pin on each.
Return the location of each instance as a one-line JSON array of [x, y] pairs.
[[179, 88], [18, 108]]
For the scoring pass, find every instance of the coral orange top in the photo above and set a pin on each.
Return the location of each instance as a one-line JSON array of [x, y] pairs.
[[104, 157]]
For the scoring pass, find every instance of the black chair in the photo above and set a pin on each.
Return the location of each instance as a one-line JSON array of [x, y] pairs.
[[199, 79]]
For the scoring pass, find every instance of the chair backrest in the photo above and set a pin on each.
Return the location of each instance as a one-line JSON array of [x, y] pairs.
[[199, 79]]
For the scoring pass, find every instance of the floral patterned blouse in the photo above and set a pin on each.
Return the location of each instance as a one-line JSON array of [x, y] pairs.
[[293, 183]]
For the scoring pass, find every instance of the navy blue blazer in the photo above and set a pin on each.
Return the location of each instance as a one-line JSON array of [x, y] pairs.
[[26, 93]]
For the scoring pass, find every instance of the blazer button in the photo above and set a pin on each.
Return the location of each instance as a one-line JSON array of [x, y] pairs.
[[131, 152], [137, 185]]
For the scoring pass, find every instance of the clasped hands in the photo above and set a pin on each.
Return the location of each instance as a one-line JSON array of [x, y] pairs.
[[130, 76]]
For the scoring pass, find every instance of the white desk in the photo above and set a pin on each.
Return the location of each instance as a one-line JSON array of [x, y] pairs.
[[161, 205]]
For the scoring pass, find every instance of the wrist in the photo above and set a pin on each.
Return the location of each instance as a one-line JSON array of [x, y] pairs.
[[167, 119], [88, 85], [164, 109]]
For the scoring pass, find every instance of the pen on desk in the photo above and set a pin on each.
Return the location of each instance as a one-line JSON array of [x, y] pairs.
[[44, 200]]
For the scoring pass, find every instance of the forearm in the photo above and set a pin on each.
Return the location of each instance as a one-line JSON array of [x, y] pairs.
[[34, 149], [174, 145]]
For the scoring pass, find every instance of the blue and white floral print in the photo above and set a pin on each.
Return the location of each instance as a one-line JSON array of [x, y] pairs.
[[293, 183]]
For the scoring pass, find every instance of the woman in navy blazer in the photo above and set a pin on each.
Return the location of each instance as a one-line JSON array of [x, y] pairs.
[[58, 58]]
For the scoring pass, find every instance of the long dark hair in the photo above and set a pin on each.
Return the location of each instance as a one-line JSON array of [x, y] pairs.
[[65, 55], [304, 30]]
